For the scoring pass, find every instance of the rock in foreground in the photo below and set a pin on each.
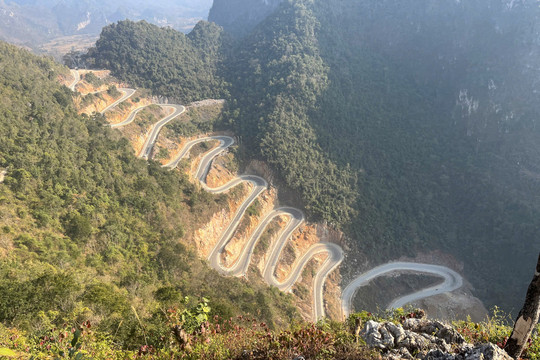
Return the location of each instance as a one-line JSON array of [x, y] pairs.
[[426, 339]]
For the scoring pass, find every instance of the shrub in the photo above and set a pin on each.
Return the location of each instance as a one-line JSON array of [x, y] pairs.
[[78, 227], [494, 329]]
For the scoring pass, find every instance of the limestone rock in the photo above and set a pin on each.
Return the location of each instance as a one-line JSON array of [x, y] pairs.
[[397, 332], [479, 352], [488, 351], [435, 328], [428, 340], [372, 336]]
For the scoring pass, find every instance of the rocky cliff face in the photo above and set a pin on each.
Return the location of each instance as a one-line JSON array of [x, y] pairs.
[[238, 17]]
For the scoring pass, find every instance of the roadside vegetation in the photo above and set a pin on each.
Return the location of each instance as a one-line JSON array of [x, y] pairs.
[[89, 233], [371, 136], [198, 120], [192, 331], [95, 255], [184, 68]]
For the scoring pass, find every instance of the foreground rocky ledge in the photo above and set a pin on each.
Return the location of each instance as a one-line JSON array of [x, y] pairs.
[[425, 339]]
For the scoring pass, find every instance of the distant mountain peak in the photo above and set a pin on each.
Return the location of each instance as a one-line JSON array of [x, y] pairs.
[[37, 22], [239, 17]]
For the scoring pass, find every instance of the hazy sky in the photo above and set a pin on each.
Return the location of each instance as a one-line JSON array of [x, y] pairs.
[[200, 6], [23, 21]]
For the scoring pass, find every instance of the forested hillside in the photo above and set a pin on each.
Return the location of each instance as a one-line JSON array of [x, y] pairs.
[[185, 68], [89, 232], [239, 17], [394, 121], [440, 123], [428, 127]]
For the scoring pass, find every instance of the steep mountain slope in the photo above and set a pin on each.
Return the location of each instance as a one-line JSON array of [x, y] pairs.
[[34, 25], [397, 122], [436, 122], [187, 68], [239, 17], [89, 231], [443, 129], [280, 64]]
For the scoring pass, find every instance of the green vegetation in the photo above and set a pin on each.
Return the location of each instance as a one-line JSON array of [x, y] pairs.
[[429, 174], [184, 68], [94, 259], [392, 287], [281, 77], [149, 116], [254, 209], [370, 117], [113, 92], [90, 233], [93, 80], [195, 333], [90, 99], [264, 241], [200, 120], [192, 334]]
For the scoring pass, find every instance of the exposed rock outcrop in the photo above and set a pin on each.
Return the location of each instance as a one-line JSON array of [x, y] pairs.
[[266, 202], [206, 238], [206, 102], [220, 174], [426, 339]]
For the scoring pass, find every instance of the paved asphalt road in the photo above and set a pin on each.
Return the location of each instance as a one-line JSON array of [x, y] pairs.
[[127, 93], [452, 280], [129, 119], [77, 77], [296, 218], [151, 139]]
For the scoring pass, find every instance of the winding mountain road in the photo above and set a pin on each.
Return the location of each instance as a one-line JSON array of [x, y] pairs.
[[126, 94], [296, 219], [77, 77], [156, 128], [334, 260], [452, 280], [130, 118]]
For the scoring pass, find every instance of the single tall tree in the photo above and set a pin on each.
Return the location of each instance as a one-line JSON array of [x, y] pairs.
[[527, 318]]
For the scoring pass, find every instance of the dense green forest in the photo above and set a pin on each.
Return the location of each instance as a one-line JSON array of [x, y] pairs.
[[394, 121], [281, 76], [433, 119], [184, 68], [91, 233]]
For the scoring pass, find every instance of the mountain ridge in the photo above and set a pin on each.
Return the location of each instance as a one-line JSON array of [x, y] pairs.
[[239, 17], [332, 80], [89, 231]]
